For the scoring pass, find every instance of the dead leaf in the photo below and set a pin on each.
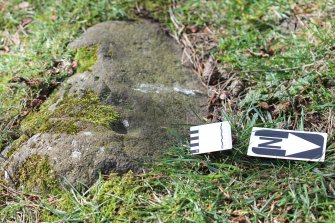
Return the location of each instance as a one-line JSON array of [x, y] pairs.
[[52, 71], [51, 199], [24, 5], [5, 48], [74, 64], [26, 21], [264, 105], [17, 80], [33, 82], [24, 113], [297, 9], [53, 17], [193, 29], [208, 31], [261, 54], [36, 103], [236, 87], [291, 24], [210, 74], [223, 95], [282, 108], [15, 39]]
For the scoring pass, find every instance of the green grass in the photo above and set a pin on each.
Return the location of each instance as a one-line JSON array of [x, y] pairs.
[[185, 188], [295, 80]]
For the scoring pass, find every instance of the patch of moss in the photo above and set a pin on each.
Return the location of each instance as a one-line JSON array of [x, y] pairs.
[[71, 115], [120, 186], [36, 174], [86, 57], [116, 194]]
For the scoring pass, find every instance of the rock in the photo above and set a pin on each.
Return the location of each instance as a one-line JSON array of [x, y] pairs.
[[77, 158], [139, 73], [2, 159]]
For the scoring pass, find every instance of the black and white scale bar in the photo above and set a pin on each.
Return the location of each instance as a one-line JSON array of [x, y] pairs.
[[287, 144], [194, 142], [210, 138]]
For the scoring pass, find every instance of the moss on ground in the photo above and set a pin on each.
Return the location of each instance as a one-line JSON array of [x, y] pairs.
[[86, 57], [117, 195], [71, 115], [120, 187], [36, 174]]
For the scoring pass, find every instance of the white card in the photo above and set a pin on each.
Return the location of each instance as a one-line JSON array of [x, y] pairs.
[[210, 138]]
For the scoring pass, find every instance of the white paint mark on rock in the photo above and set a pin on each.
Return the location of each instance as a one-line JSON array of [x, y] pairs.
[[185, 91], [125, 123], [147, 88], [88, 133], [76, 154], [74, 143]]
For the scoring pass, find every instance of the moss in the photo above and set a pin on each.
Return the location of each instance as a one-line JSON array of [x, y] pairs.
[[86, 57], [120, 186], [117, 195], [36, 174], [72, 114]]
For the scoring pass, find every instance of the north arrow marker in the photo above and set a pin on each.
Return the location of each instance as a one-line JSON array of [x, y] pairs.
[[287, 144]]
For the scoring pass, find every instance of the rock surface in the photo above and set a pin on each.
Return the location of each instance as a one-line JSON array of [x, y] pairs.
[[138, 72]]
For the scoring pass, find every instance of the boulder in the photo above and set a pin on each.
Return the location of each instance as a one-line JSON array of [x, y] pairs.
[[138, 73]]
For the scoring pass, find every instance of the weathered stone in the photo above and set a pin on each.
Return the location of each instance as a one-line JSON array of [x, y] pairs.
[[138, 72], [77, 158]]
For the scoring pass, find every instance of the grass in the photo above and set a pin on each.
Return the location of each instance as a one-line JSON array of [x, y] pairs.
[[184, 188], [283, 52]]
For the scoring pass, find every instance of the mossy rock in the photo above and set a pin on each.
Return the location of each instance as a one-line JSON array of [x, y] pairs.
[[116, 114], [73, 158]]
